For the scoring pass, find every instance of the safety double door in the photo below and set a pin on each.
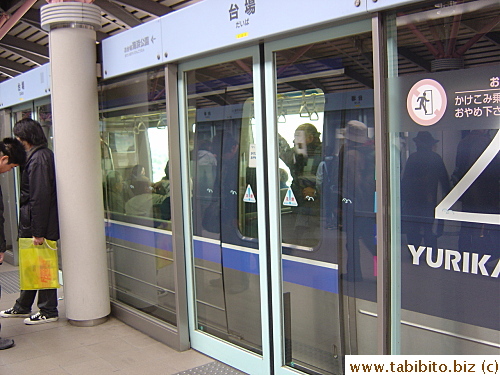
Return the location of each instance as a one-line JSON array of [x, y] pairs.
[[225, 261], [263, 146]]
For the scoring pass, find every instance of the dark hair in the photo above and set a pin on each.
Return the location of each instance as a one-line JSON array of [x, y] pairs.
[[14, 149], [136, 171], [30, 131], [140, 185], [310, 129]]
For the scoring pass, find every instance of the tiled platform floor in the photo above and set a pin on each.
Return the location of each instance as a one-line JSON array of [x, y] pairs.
[[110, 348]]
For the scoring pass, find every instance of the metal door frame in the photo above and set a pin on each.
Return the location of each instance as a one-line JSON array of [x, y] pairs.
[[272, 191], [221, 350]]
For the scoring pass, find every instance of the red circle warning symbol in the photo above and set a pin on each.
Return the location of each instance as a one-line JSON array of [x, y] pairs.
[[426, 102]]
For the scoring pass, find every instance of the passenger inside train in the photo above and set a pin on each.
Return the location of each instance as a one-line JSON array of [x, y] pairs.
[[303, 160], [145, 202]]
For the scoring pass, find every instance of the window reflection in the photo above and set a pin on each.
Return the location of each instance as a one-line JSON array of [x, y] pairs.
[[300, 127], [445, 214], [224, 194], [136, 186], [325, 121]]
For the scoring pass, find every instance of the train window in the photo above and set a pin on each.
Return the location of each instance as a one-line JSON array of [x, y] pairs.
[[325, 121], [136, 185], [44, 117], [21, 114], [300, 125], [224, 193], [222, 146], [442, 90], [135, 150]]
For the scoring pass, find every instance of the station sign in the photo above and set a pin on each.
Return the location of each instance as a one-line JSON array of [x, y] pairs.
[[31, 85], [228, 112], [135, 49], [355, 99], [211, 25]]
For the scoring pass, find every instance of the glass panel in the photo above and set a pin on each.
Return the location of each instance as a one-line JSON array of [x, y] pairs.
[[21, 114], [444, 123], [222, 170], [44, 117], [327, 183], [134, 145]]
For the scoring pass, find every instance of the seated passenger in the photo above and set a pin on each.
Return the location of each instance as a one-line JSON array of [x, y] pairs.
[[144, 202], [135, 174], [163, 186]]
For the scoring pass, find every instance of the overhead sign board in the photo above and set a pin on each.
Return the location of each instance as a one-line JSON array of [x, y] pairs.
[[211, 25], [31, 85], [133, 50], [223, 23]]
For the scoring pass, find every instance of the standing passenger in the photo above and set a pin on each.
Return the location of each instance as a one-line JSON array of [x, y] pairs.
[[303, 160], [357, 184], [424, 172], [12, 154], [38, 216]]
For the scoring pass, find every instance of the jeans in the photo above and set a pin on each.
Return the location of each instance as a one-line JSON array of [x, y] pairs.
[[47, 302]]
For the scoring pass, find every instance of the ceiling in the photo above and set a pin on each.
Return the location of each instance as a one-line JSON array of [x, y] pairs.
[[24, 44]]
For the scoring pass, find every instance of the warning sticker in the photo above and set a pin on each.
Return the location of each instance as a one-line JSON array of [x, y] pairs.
[[249, 196], [290, 198]]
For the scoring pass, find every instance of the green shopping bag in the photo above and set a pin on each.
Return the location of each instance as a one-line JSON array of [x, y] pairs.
[[38, 265]]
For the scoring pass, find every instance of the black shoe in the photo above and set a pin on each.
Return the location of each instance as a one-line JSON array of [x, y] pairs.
[[6, 343], [11, 313], [39, 318]]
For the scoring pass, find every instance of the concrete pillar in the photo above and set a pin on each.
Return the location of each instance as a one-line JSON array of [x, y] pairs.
[[72, 46]]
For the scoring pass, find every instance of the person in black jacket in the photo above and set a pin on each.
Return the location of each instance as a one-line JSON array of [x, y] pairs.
[[12, 154], [38, 217], [357, 189], [424, 173]]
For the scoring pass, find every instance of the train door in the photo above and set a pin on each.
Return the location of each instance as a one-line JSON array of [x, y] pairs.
[[225, 261], [314, 219], [319, 89]]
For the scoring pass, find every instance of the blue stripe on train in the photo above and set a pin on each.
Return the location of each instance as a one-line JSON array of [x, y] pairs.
[[140, 236], [304, 274], [309, 275]]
